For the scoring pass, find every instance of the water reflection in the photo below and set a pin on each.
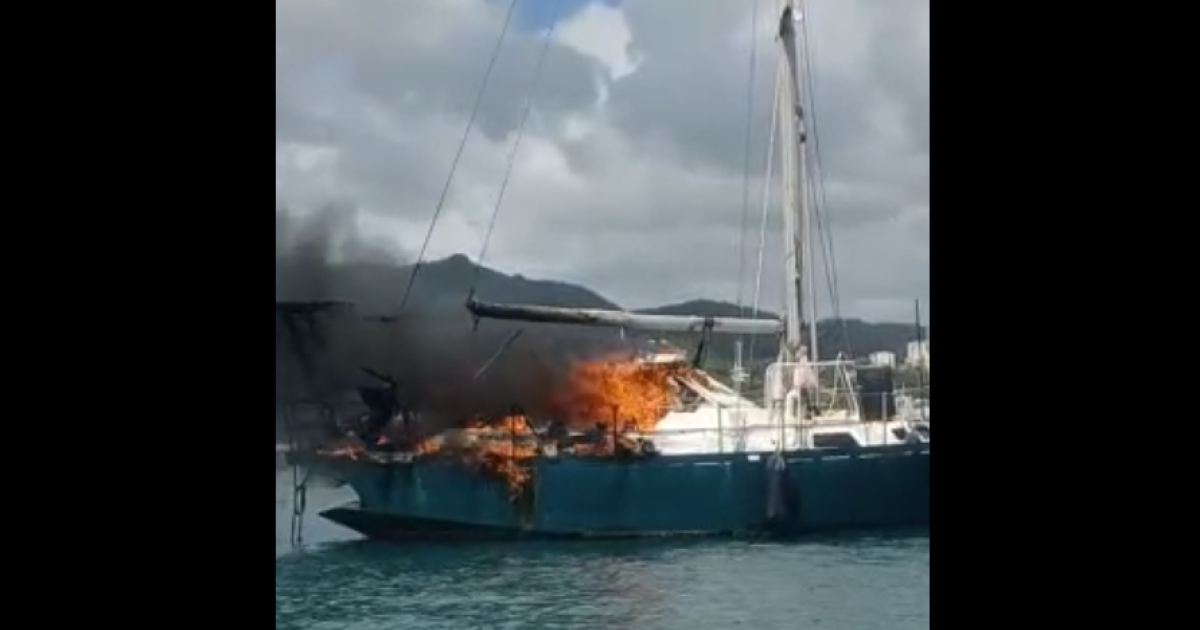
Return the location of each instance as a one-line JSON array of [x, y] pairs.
[[472, 586], [340, 582]]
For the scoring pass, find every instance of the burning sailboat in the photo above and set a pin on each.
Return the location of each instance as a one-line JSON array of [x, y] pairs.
[[654, 445], [643, 447]]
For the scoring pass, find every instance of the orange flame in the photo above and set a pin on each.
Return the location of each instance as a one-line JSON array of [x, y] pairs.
[[635, 395], [632, 394], [501, 448]]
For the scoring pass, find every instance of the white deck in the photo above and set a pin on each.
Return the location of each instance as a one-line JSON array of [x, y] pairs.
[[721, 421]]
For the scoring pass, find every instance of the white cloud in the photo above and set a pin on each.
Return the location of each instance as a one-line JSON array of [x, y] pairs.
[[630, 178], [600, 32]]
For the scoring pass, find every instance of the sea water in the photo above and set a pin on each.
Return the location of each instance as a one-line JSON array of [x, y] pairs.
[[338, 581]]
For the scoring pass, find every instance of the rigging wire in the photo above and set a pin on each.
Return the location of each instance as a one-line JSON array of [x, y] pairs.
[[747, 181], [462, 146], [818, 192], [748, 148], [535, 82], [768, 185]]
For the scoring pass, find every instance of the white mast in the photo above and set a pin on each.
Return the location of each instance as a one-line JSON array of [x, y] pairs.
[[794, 136], [796, 225]]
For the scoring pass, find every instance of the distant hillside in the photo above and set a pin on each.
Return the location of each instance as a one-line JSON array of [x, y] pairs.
[[853, 336], [443, 286], [435, 352], [435, 326]]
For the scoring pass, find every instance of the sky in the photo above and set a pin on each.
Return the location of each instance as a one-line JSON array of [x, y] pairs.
[[631, 176], [539, 14]]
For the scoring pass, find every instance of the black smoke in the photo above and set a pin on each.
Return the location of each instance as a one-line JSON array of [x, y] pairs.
[[432, 349]]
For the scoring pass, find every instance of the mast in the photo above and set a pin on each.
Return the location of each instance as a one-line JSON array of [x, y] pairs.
[[796, 225], [794, 137]]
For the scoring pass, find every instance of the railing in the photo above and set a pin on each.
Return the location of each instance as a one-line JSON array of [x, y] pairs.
[[752, 440], [811, 390], [730, 436]]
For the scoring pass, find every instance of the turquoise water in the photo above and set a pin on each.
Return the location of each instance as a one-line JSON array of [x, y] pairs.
[[339, 582]]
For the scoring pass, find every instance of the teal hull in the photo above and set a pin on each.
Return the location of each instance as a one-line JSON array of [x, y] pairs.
[[712, 495]]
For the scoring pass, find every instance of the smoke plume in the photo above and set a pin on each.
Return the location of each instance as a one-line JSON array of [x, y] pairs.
[[432, 349]]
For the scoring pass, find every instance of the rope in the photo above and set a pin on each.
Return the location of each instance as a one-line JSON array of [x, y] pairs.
[[534, 83], [299, 486], [299, 505], [462, 146]]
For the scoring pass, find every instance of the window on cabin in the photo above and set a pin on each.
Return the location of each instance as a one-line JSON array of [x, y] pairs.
[[835, 441]]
